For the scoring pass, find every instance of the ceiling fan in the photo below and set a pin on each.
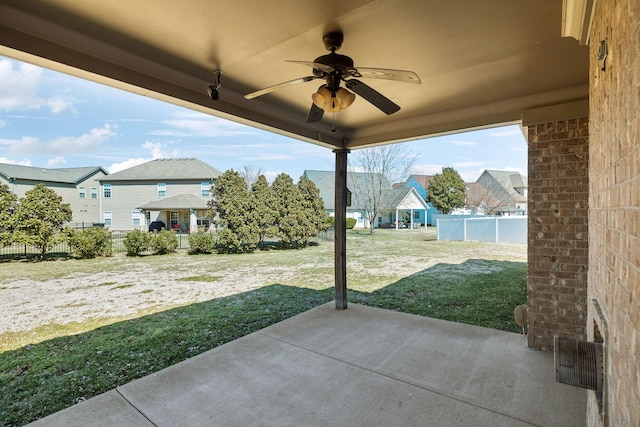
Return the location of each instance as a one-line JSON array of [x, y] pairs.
[[336, 68]]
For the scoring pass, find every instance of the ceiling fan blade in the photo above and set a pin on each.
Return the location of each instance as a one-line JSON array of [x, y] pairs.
[[315, 65], [386, 74], [315, 114], [373, 96], [279, 86]]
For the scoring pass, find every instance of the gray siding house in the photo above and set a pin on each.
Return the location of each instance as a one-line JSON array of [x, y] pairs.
[[174, 191], [509, 190], [77, 186]]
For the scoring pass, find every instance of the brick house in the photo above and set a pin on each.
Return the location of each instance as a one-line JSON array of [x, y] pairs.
[[174, 191], [567, 71], [77, 186]]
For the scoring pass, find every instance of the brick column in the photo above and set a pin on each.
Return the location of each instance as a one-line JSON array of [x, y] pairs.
[[558, 248]]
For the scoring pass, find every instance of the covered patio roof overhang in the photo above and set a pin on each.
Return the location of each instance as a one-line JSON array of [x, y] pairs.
[[481, 64]]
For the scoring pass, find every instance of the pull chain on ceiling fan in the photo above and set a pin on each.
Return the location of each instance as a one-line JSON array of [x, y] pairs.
[[336, 68]]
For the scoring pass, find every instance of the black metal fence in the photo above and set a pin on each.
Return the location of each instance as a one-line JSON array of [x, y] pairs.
[[63, 248]]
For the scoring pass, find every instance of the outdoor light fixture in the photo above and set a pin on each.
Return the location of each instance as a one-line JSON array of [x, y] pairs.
[[332, 101], [213, 89]]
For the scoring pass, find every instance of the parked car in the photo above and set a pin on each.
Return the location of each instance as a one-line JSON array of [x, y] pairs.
[[157, 226]]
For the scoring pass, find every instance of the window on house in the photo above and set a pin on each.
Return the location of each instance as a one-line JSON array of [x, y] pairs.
[[174, 220], [148, 217], [106, 191], [205, 187], [416, 214], [162, 189], [136, 218], [107, 218], [203, 219], [82, 192], [94, 192]]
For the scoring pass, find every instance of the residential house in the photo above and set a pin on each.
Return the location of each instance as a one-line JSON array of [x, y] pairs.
[[393, 203], [174, 191], [421, 184], [506, 192], [79, 187]]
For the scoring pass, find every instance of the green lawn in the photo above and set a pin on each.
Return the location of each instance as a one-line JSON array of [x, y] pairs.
[[55, 366]]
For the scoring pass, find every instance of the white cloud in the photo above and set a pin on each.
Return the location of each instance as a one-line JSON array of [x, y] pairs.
[[117, 167], [25, 162], [471, 176], [464, 143], [19, 89], [194, 124], [428, 169], [467, 164], [87, 142], [271, 176], [505, 133], [157, 151], [56, 161]]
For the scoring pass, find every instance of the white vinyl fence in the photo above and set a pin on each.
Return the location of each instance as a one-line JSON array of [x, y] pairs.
[[504, 229]]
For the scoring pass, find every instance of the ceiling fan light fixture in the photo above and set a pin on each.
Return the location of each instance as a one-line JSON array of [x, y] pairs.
[[345, 98], [332, 104]]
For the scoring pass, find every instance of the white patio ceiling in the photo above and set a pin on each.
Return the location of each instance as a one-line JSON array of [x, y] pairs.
[[481, 62]]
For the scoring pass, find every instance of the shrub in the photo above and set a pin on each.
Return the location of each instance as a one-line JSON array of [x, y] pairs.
[[201, 242], [351, 222], [91, 242], [136, 242], [164, 242]]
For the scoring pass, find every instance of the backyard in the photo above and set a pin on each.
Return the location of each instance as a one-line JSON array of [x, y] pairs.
[[72, 329]]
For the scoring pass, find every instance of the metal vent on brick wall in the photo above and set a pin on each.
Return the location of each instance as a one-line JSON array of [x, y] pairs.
[[579, 363]]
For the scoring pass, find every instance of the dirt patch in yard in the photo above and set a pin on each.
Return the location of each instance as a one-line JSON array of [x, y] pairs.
[[116, 287]]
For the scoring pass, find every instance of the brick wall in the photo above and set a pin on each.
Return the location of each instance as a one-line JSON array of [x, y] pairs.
[[614, 215], [558, 250]]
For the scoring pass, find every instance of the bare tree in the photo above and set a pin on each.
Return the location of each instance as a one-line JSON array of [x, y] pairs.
[[373, 173], [250, 174], [482, 200]]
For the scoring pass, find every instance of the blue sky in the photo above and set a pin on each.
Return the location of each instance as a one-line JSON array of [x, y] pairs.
[[49, 119]]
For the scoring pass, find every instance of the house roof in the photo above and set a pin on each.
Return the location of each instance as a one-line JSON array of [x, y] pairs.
[[475, 190], [177, 202], [166, 170], [402, 198], [501, 183], [57, 175], [391, 199], [325, 181], [481, 62], [423, 180]]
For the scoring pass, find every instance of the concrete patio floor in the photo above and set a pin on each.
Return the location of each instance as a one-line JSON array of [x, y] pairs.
[[357, 367]]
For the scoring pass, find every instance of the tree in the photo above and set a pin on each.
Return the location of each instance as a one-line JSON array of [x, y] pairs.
[[265, 207], [313, 205], [39, 218], [8, 206], [250, 174], [482, 200], [235, 207], [380, 167], [290, 222], [447, 191]]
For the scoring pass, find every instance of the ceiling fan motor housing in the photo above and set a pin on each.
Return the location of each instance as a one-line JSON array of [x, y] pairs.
[[340, 63]]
